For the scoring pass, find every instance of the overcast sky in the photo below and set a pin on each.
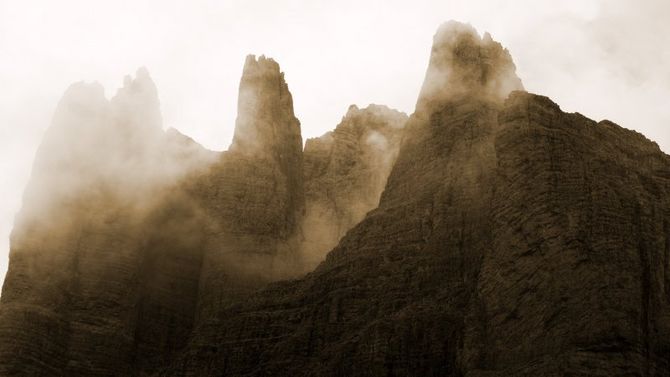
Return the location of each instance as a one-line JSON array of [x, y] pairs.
[[605, 59]]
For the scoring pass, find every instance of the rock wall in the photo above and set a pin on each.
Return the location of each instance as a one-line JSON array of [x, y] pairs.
[[511, 239], [254, 194], [578, 280], [86, 293], [345, 174]]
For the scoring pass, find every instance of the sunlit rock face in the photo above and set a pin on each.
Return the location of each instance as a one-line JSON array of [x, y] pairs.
[[498, 236], [345, 174]]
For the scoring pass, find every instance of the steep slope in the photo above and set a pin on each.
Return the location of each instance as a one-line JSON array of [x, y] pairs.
[[511, 239], [255, 193], [345, 174], [578, 283], [106, 271], [79, 280]]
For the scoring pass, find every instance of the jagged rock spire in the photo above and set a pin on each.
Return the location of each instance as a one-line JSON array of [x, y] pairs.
[[265, 118], [136, 104], [267, 129], [463, 63]]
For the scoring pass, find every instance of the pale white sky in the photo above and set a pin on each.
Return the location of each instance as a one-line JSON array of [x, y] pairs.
[[602, 58]]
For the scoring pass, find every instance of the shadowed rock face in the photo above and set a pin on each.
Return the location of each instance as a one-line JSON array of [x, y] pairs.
[[129, 236], [510, 238]]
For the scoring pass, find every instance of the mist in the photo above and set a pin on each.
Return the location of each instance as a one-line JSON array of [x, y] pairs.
[[600, 58], [345, 173], [108, 148]]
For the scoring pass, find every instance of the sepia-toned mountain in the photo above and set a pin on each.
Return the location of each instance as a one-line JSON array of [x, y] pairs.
[[487, 234]]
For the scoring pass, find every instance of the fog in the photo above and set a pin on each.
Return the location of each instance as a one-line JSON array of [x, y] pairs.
[[605, 59], [345, 174], [107, 149], [463, 62]]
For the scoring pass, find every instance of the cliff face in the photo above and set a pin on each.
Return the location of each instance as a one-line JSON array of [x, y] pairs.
[[464, 64], [86, 291], [345, 174], [511, 239], [499, 236], [254, 194], [141, 232]]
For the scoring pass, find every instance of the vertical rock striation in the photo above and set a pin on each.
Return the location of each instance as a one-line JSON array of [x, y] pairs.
[[577, 283]]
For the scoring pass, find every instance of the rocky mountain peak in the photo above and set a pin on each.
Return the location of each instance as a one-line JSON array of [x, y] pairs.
[[488, 234], [265, 119], [345, 174], [389, 116], [464, 63]]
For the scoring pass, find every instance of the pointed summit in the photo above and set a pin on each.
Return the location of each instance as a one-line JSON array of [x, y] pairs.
[[463, 63], [267, 130], [136, 104], [265, 118]]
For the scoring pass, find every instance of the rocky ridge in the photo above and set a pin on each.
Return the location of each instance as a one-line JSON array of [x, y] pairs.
[[85, 239], [130, 236], [510, 238]]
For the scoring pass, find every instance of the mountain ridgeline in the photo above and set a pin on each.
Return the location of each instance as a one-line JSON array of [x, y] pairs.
[[487, 234]]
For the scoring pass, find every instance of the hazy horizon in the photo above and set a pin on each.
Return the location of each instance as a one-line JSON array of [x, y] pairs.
[[597, 58]]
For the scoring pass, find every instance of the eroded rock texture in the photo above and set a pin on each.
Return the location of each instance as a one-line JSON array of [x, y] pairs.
[[100, 277], [510, 238], [255, 194], [345, 174], [129, 235]]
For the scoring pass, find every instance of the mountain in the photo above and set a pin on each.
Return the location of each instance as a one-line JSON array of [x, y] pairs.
[[511, 239], [254, 196], [488, 234], [95, 246], [345, 174]]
